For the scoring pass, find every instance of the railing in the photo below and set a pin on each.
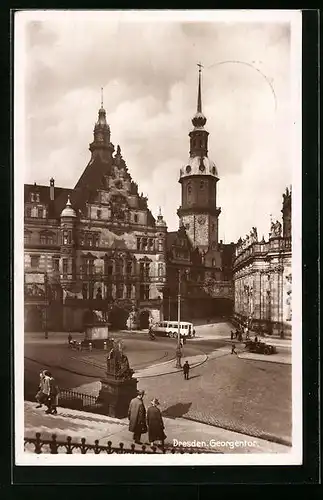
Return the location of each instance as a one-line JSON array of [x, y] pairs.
[[54, 447], [78, 401]]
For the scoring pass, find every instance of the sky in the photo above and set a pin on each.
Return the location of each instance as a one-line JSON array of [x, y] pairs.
[[148, 70]]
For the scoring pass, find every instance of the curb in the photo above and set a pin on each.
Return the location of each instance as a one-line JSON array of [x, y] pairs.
[[174, 370], [260, 435]]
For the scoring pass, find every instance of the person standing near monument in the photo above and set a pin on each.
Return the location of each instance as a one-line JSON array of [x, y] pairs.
[[155, 423], [137, 417]]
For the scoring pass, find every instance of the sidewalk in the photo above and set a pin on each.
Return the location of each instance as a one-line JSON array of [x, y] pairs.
[[91, 426]]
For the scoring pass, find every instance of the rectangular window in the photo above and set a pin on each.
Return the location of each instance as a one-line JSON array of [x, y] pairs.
[[34, 261], [89, 240], [118, 267], [65, 267], [129, 267], [138, 243], [43, 239], [40, 212], [128, 291], [26, 238], [144, 243], [96, 240], [119, 291], [160, 269], [28, 212], [32, 197], [85, 290], [50, 239], [56, 264]]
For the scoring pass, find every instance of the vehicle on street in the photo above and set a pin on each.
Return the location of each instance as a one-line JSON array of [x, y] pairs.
[[260, 347], [170, 329]]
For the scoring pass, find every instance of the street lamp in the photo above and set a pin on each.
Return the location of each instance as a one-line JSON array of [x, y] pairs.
[[178, 349], [46, 304]]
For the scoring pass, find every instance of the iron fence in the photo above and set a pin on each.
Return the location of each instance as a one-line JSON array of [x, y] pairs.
[[78, 401], [53, 446]]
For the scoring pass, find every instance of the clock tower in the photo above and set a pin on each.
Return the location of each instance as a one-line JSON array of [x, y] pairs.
[[198, 178]]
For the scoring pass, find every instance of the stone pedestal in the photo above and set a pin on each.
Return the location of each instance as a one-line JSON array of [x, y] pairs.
[[115, 396]]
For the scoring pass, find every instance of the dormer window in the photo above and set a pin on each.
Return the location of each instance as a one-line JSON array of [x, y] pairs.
[[37, 197], [188, 169], [32, 197]]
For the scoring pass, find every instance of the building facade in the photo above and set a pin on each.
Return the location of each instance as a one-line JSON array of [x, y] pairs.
[[262, 277], [96, 246], [199, 267]]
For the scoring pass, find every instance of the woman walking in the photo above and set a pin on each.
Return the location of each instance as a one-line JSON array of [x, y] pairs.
[[53, 395], [155, 423], [44, 389]]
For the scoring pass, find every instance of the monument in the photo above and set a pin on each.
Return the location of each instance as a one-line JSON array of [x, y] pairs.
[[97, 330], [119, 387]]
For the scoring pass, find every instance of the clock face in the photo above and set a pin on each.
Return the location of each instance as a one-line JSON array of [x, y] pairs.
[[201, 220]]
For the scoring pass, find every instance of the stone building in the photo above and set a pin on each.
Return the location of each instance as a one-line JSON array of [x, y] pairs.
[[262, 277], [96, 246], [195, 257]]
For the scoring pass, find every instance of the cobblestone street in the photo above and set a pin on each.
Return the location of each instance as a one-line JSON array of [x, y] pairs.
[[232, 393]]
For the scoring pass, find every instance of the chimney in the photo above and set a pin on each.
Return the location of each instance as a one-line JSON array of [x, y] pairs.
[[51, 189]]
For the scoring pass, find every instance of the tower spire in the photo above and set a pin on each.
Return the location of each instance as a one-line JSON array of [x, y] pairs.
[[101, 97], [199, 97]]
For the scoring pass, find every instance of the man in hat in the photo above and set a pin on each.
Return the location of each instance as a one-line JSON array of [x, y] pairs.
[[186, 370], [137, 417], [155, 423]]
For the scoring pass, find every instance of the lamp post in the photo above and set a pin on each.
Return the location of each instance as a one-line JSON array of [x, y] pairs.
[[46, 304], [178, 349]]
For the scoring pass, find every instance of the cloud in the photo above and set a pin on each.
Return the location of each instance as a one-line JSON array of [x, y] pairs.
[[149, 75]]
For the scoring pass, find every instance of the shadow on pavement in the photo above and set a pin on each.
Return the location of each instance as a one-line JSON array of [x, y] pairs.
[[177, 411], [193, 376]]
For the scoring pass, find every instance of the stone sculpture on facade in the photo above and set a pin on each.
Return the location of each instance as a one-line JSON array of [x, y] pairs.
[[275, 229]]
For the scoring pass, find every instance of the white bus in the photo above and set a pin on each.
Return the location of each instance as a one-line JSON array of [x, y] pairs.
[[170, 329]]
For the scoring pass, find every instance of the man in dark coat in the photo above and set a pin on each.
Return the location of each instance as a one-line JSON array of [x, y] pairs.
[[186, 370], [137, 417], [155, 423]]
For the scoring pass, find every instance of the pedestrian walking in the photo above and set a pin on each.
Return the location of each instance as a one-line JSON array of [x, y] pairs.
[[186, 370], [44, 389], [256, 339], [232, 334], [137, 417], [53, 396], [240, 336], [155, 424], [41, 396], [233, 349]]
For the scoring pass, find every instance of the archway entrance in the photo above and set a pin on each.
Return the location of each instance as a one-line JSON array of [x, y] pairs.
[[118, 318], [144, 320]]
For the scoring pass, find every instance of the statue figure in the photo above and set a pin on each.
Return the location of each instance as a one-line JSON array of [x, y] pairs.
[[277, 228], [118, 364], [254, 235]]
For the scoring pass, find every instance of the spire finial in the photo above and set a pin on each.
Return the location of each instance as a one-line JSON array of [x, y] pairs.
[[159, 212], [199, 98], [101, 97], [68, 203]]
